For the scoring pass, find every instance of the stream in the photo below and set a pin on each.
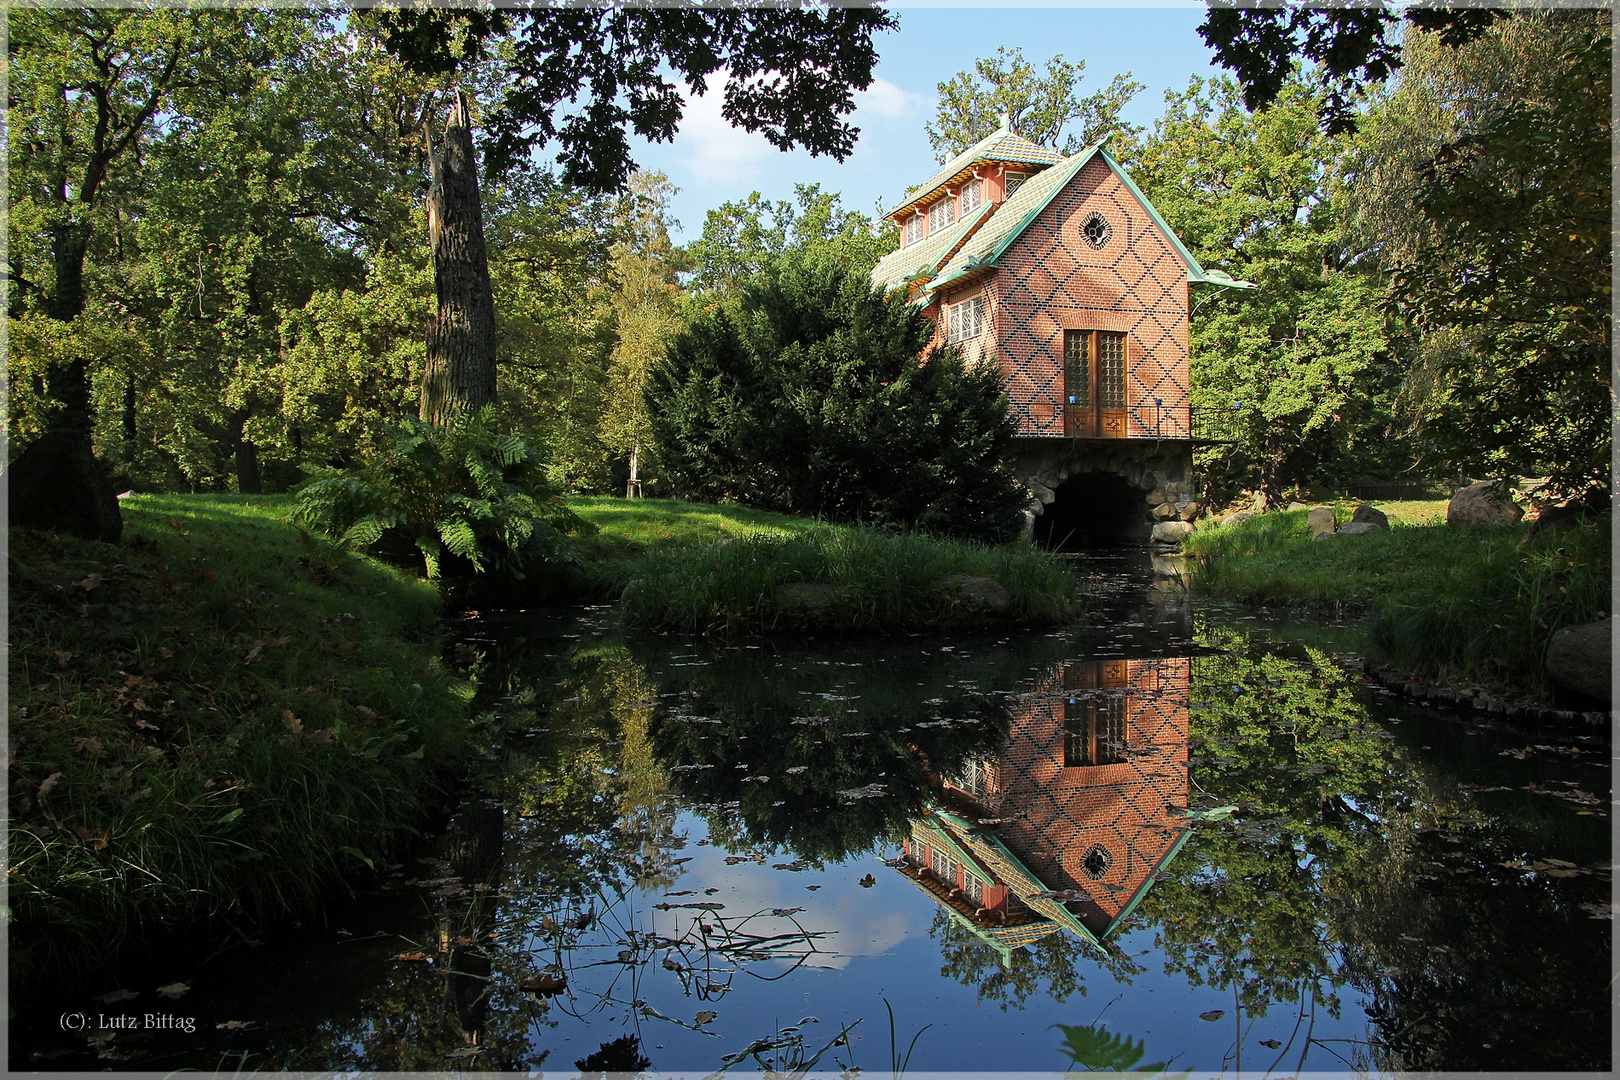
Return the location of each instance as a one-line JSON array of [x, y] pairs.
[[1182, 831]]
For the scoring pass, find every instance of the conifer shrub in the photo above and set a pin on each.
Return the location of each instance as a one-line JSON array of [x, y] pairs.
[[814, 396], [463, 496]]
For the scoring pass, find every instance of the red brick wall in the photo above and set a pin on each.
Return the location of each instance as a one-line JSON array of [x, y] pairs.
[[1129, 808], [1051, 279]]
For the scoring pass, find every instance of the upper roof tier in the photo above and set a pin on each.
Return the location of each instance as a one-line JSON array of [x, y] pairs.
[[1002, 144]]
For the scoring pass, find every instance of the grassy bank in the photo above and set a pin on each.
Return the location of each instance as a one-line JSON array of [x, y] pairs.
[[1457, 604], [211, 724], [841, 578]]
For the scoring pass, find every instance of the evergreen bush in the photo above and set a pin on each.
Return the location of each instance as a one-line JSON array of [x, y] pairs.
[[465, 496], [813, 395]]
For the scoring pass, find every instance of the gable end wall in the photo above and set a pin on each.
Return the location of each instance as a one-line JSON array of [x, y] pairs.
[[1051, 279]]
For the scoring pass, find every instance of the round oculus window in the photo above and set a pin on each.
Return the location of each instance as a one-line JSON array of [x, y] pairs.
[[1097, 862], [1096, 229]]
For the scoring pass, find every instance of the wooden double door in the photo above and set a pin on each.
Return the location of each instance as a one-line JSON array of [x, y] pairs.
[[1094, 384]]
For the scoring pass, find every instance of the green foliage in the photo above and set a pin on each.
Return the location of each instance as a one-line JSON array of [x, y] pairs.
[[742, 240], [463, 491], [1492, 214], [1095, 1048], [1300, 370], [1460, 603], [222, 729], [881, 581], [1041, 107], [815, 398]]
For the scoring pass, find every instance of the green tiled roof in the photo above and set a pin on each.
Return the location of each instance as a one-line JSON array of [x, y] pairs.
[[1000, 145], [1018, 212], [924, 257]]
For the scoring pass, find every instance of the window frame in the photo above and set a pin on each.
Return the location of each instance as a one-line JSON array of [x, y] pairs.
[[913, 229], [956, 331], [941, 215], [976, 188]]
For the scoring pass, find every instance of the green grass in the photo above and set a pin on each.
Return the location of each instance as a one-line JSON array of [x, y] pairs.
[[212, 725], [1457, 604], [632, 527], [881, 581]]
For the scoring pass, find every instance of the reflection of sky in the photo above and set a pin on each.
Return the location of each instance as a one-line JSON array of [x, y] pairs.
[[877, 948]]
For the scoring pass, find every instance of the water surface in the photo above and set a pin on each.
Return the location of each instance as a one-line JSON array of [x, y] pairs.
[[1179, 825]]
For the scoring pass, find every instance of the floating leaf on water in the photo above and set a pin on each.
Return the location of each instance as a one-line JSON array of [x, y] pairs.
[[118, 995], [868, 881], [544, 984], [234, 1025], [1271, 1044], [174, 991], [797, 769], [415, 957], [465, 1052], [1213, 1014], [812, 888], [683, 892], [705, 1016], [785, 912]]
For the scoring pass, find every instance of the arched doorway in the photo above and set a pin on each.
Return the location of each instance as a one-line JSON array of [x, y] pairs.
[[1092, 510]]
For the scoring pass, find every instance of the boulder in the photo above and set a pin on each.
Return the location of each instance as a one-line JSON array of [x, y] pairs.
[[1156, 497], [1296, 505], [1358, 528], [1367, 514], [984, 592], [1319, 521], [1236, 519], [1171, 532], [1039, 490], [1482, 503], [1164, 512], [1188, 510], [1553, 518], [57, 483], [1325, 536], [1578, 658], [803, 596]]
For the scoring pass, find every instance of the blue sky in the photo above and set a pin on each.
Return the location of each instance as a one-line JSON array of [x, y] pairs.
[[712, 163]]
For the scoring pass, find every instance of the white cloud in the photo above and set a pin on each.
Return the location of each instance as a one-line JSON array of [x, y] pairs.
[[886, 100], [716, 151]]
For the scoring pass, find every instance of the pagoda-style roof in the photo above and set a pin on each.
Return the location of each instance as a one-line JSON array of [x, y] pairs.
[[1003, 144], [922, 259]]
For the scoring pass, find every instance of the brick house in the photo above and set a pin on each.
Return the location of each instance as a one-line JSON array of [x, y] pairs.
[[1060, 271], [1085, 802]]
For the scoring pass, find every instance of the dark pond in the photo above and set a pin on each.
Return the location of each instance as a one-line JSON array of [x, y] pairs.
[[1181, 826]]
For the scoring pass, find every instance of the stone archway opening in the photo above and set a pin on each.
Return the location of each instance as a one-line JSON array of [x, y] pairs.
[[1091, 510]]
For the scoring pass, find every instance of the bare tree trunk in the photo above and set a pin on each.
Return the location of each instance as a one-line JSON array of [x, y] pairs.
[[632, 490], [460, 374]]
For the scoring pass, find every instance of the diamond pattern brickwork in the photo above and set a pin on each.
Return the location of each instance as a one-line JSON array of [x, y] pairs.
[[1052, 279], [1053, 816]]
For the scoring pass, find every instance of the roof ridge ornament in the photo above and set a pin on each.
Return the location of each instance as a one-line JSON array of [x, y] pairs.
[[1006, 121]]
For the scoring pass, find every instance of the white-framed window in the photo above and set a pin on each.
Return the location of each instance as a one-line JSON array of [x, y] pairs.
[[970, 195], [972, 889], [964, 321], [1014, 181], [943, 867], [939, 215], [914, 229]]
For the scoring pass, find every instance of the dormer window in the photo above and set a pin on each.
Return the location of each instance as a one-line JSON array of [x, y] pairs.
[[914, 229], [939, 215], [970, 195], [1015, 180]]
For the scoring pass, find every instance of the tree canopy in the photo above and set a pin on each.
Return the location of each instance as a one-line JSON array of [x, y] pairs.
[[1041, 107], [790, 74]]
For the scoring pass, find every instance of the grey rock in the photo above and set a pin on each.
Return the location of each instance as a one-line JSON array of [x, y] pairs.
[[1325, 536], [1236, 519], [1578, 658], [1298, 506], [1553, 518], [1367, 514], [1156, 497], [1171, 532], [1481, 504], [1359, 528], [1039, 490], [1163, 512], [1319, 521], [982, 592]]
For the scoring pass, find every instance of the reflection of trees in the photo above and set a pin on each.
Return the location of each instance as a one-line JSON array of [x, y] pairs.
[[779, 758], [1050, 967], [1352, 860]]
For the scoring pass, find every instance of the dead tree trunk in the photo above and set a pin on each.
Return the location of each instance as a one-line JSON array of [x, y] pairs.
[[460, 373]]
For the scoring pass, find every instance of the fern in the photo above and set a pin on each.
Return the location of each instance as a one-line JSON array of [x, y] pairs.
[[462, 490]]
